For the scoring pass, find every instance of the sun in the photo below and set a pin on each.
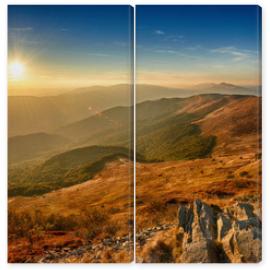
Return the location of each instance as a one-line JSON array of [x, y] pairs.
[[16, 69]]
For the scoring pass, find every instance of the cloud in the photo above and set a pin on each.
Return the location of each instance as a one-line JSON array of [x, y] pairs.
[[159, 32], [236, 54], [177, 53], [21, 29], [64, 29], [174, 38], [166, 51]]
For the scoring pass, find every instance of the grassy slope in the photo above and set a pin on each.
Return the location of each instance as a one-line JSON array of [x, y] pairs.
[[221, 179], [164, 127], [66, 169], [173, 136], [160, 187], [109, 194], [21, 148], [29, 114], [167, 129]]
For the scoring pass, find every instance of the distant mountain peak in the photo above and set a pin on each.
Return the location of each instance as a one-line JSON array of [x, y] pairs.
[[229, 85], [223, 85]]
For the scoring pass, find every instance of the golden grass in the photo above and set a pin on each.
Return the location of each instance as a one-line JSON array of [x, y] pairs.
[[110, 193], [162, 186]]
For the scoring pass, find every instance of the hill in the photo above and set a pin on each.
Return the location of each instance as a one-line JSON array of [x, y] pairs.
[[21, 148], [207, 148], [95, 214], [62, 170], [242, 119], [169, 128], [227, 89], [102, 127], [113, 122], [167, 131], [67, 214], [30, 114]]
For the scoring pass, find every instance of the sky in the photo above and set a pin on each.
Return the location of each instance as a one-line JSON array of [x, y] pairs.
[[53, 48], [60, 48], [186, 45]]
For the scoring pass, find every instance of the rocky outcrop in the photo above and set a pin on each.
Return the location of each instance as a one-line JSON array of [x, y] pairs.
[[210, 234], [204, 234], [241, 234]]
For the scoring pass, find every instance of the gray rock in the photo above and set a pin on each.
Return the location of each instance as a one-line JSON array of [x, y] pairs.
[[185, 217], [203, 251], [204, 220], [210, 234], [224, 224]]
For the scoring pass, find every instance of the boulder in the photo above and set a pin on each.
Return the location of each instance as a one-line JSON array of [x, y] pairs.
[[211, 234], [207, 234], [242, 242], [202, 251], [198, 243]]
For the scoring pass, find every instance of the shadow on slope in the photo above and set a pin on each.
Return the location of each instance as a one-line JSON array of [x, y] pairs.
[[63, 170]]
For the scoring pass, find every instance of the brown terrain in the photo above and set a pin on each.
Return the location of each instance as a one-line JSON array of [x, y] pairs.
[[110, 194], [231, 175], [218, 184]]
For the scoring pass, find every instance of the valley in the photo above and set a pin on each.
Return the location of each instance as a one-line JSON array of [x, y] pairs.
[[71, 191]]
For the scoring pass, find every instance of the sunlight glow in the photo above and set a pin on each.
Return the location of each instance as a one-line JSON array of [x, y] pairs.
[[16, 70]]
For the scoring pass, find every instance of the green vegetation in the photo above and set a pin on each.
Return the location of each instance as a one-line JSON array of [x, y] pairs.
[[167, 133], [175, 143], [66, 169], [114, 125], [166, 130], [174, 137]]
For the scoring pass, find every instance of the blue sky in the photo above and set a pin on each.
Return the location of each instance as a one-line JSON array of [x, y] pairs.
[[182, 45], [72, 45]]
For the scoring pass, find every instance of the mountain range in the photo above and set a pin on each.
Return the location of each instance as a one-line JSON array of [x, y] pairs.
[[30, 114], [167, 129]]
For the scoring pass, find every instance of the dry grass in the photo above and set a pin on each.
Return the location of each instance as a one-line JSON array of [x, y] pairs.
[[91, 211], [162, 248], [162, 186]]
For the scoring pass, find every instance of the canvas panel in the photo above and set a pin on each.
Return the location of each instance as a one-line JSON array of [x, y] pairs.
[[70, 126], [198, 186]]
